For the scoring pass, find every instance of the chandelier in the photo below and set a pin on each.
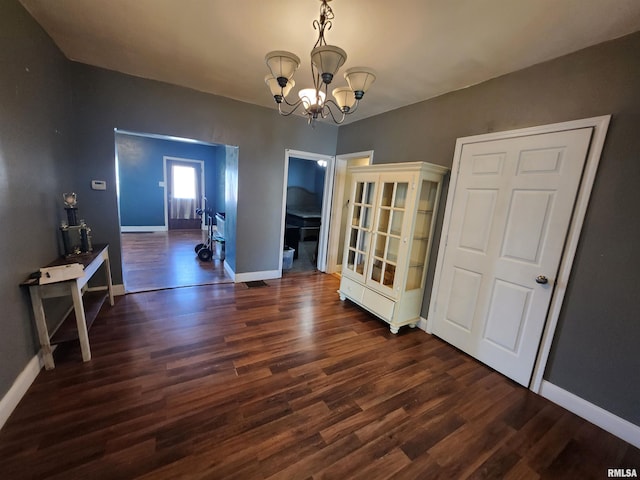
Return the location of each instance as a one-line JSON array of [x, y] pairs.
[[326, 60]]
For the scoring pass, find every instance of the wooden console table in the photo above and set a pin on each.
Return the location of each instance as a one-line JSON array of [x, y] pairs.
[[86, 303]]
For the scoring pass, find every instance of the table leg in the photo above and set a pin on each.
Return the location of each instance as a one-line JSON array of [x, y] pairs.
[[41, 326], [107, 272], [81, 321]]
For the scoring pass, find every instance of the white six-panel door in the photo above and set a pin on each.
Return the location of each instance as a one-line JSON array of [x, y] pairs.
[[510, 215]]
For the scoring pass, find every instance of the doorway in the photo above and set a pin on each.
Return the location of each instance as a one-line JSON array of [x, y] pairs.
[[340, 206], [308, 180], [513, 216], [184, 193], [161, 181]]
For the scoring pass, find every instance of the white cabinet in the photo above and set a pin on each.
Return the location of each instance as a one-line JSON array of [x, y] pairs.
[[389, 235]]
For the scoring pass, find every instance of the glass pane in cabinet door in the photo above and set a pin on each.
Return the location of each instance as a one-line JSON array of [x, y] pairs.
[[353, 238], [427, 196], [418, 252], [351, 260], [392, 249], [387, 194], [368, 199], [356, 215], [381, 243], [396, 222], [363, 242], [376, 271], [359, 191], [401, 195], [383, 220], [360, 259], [365, 221], [423, 225], [414, 278], [389, 275]]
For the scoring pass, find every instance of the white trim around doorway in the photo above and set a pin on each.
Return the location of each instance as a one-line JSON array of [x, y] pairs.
[[323, 236]]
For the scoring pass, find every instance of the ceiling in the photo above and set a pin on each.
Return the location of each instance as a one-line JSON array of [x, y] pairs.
[[419, 48]]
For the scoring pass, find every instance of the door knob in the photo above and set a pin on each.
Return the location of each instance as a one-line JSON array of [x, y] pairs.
[[542, 279]]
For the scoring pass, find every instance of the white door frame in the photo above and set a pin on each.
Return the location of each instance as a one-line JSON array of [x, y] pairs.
[[333, 248], [600, 126], [166, 158], [323, 235]]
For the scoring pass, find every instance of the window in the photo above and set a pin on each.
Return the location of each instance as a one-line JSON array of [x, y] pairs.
[[184, 182]]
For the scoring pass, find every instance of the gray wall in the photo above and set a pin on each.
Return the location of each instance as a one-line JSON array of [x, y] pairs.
[[57, 121], [35, 103], [104, 100], [595, 350]]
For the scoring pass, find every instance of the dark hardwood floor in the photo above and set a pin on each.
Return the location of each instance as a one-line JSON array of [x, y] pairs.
[[157, 260], [285, 381]]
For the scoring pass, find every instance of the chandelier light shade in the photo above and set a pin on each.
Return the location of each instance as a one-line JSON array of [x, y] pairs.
[[275, 87], [282, 64], [326, 60], [345, 98], [359, 80]]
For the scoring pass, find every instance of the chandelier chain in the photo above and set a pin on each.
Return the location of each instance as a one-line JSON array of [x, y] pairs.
[[326, 15]]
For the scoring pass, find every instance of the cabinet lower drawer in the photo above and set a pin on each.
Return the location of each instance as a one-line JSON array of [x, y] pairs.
[[372, 301], [378, 304], [351, 289]]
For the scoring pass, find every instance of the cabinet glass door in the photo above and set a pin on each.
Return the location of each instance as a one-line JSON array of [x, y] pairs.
[[387, 235], [359, 236], [421, 235]]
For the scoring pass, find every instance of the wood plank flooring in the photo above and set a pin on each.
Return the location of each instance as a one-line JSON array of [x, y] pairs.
[[285, 381], [157, 260]]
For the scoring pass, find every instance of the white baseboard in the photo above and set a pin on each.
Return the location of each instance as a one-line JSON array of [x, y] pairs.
[[118, 289], [143, 228], [253, 276], [422, 324], [228, 271], [10, 401], [613, 424], [250, 276]]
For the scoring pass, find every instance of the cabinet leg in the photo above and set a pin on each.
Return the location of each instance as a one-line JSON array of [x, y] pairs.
[[412, 325], [394, 329], [342, 297]]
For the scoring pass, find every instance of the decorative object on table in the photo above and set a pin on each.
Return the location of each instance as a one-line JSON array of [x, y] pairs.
[[76, 235], [326, 60], [70, 202]]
